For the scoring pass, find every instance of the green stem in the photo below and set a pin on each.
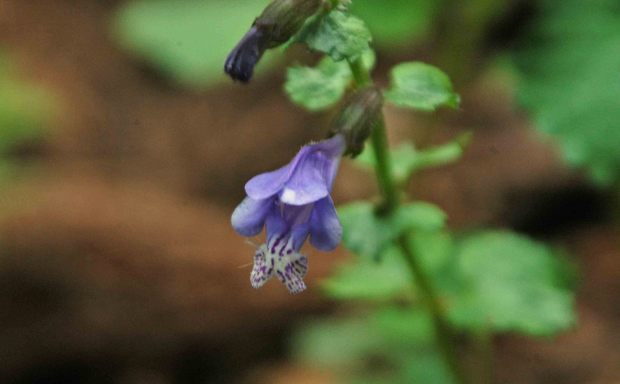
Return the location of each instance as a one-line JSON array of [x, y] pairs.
[[443, 331], [378, 140], [391, 201]]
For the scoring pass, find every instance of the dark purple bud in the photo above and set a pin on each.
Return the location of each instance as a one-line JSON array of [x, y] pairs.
[[357, 118], [280, 21], [244, 57]]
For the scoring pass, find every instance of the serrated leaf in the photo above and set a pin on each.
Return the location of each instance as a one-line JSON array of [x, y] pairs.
[[367, 234], [422, 87], [407, 160], [189, 40], [320, 87], [337, 34], [323, 86], [511, 283], [568, 81]]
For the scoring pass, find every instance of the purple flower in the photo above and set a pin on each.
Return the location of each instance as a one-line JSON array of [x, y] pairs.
[[292, 203], [244, 57]]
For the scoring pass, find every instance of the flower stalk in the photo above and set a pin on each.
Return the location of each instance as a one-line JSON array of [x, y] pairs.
[[378, 140], [390, 203]]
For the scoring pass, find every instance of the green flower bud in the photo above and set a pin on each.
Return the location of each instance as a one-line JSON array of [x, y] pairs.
[[282, 19], [357, 117]]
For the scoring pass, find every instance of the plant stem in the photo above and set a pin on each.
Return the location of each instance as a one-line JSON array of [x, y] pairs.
[[378, 140], [443, 331], [391, 201]]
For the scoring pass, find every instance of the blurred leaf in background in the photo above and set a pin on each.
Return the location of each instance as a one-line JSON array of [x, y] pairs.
[[368, 235], [508, 282], [388, 345], [23, 110], [397, 23], [407, 160], [488, 281], [187, 40], [569, 71]]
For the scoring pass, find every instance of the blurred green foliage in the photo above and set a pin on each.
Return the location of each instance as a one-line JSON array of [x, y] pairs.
[[387, 278], [569, 69], [397, 23], [187, 40], [368, 234], [508, 282], [387, 345], [407, 160], [488, 281], [23, 110]]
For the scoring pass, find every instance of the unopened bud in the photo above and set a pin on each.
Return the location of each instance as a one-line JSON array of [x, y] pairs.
[[357, 118], [280, 21]]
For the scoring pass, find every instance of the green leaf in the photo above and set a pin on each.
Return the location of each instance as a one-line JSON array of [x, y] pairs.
[[568, 81], [323, 86], [422, 87], [397, 23], [371, 280], [407, 160], [367, 234], [403, 325], [337, 343], [389, 277], [511, 283], [337, 34], [186, 40], [320, 87], [390, 345]]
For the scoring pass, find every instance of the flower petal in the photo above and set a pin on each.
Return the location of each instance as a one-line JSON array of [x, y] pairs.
[[299, 234], [308, 182], [244, 57], [307, 178], [261, 272], [249, 216], [293, 272], [267, 184], [275, 225], [333, 147], [325, 228], [313, 175]]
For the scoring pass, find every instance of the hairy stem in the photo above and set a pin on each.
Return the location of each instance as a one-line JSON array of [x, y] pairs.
[[391, 201]]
